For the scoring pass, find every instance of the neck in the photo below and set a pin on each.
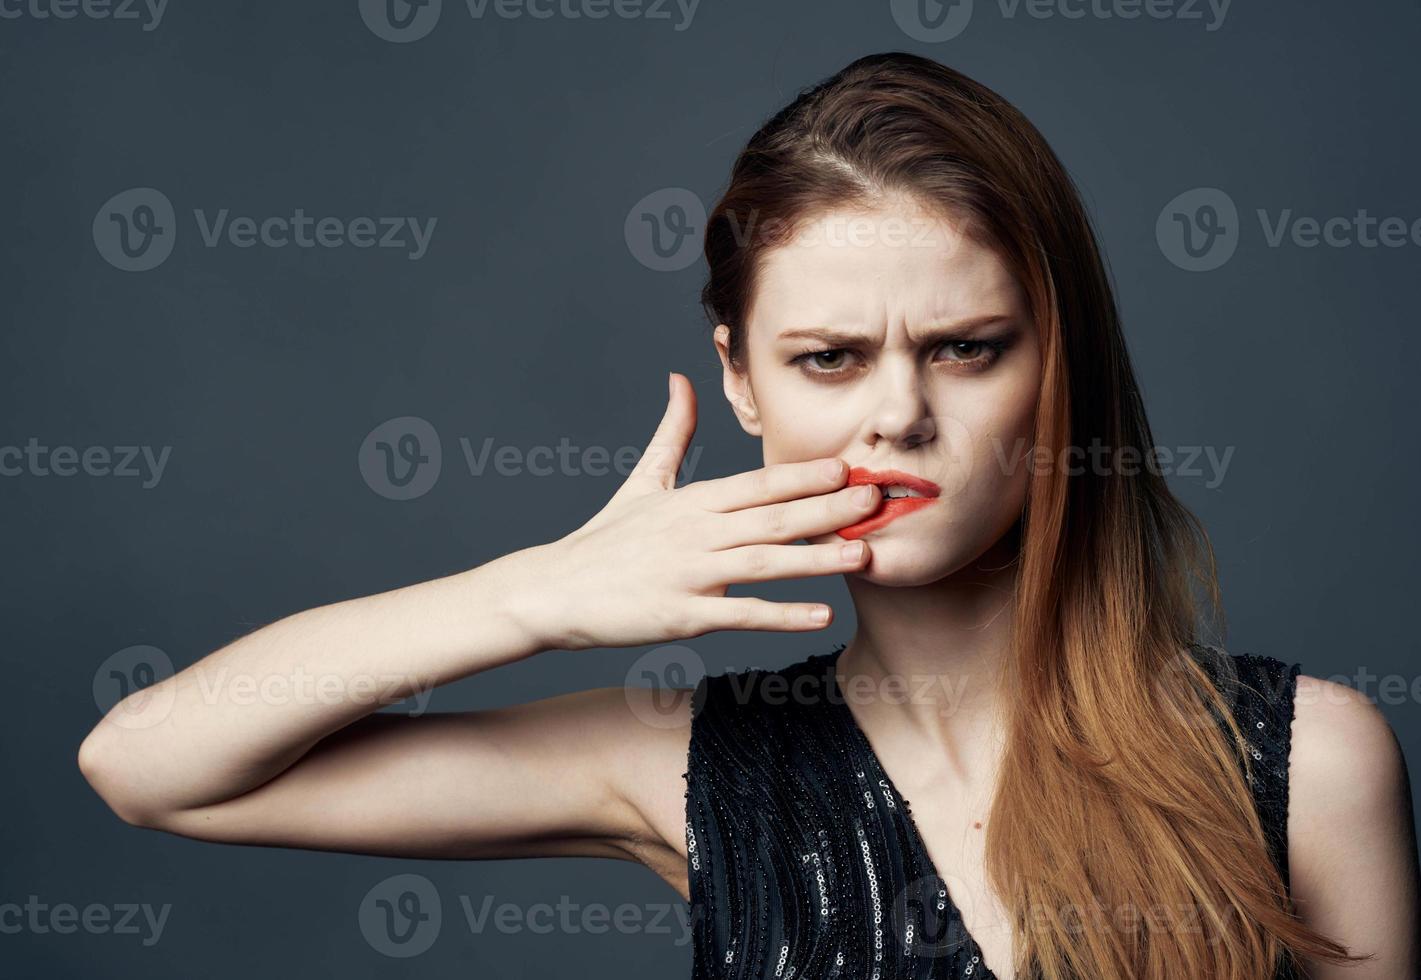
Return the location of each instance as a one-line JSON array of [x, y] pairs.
[[925, 661]]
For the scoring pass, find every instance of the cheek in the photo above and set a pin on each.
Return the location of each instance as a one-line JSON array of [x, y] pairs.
[[788, 442], [1008, 437], [987, 451], [793, 429], [1006, 458]]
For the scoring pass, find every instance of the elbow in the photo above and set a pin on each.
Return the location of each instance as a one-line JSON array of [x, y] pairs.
[[107, 781]]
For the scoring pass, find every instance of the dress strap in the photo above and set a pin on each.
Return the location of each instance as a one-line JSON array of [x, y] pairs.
[[1260, 690]]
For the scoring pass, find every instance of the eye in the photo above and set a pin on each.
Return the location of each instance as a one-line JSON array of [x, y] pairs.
[[962, 355], [828, 361], [973, 355]]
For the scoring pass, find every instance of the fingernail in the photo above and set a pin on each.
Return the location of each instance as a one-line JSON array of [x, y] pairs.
[[670, 385], [819, 614], [831, 469], [863, 496], [852, 551]]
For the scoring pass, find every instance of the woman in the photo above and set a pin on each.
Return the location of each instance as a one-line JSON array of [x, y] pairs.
[[908, 301]]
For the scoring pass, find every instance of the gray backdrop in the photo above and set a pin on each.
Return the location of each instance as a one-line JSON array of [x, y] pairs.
[[196, 397]]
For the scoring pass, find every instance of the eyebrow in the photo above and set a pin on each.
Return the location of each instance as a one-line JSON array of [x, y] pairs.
[[938, 333]]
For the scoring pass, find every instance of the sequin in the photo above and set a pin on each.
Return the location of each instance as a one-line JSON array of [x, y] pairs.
[[802, 862]]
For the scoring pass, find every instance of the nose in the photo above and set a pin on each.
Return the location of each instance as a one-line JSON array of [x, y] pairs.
[[900, 412]]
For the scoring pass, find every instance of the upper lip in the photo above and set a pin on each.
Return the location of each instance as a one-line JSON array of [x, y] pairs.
[[885, 478]]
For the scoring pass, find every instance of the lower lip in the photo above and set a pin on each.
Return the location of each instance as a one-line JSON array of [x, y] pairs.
[[888, 510]]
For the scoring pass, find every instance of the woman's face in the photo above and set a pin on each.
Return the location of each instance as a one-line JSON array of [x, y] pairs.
[[891, 339]]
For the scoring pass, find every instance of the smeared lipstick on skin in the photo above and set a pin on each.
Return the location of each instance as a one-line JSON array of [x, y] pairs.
[[888, 509]]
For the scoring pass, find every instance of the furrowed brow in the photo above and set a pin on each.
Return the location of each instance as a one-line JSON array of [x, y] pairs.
[[838, 338]]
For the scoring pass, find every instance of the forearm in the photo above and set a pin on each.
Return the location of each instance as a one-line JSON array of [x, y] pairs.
[[243, 714]]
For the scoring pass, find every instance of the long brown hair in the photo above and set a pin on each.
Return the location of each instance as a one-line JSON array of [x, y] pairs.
[[1112, 793]]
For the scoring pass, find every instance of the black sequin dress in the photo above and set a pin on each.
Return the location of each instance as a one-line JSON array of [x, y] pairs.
[[804, 860]]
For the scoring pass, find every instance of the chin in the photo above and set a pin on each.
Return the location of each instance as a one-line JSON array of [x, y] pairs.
[[904, 568], [903, 562], [899, 576]]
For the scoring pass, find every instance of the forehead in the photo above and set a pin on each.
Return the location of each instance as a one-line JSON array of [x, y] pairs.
[[889, 264]]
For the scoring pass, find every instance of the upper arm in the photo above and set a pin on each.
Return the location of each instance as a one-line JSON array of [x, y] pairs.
[[1351, 838], [586, 773]]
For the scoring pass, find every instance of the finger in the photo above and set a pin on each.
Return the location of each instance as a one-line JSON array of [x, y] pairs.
[[763, 562], [749, 613], [663, 455], [772, 484], [794, 519]]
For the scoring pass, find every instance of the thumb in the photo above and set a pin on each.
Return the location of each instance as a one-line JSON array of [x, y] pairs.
[[662, 458]]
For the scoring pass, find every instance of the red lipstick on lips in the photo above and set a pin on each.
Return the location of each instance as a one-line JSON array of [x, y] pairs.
[[888, 509]]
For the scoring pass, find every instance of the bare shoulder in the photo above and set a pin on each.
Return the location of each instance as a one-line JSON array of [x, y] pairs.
[[1345, 758], [1351, 836]]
